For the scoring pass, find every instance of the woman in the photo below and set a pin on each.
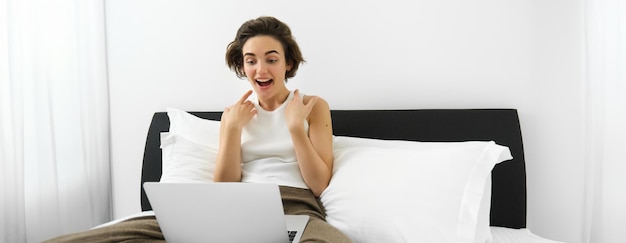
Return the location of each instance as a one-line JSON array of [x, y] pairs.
[[280, 136]]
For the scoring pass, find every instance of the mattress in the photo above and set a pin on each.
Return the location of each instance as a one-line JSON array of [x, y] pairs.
[[508, 235]]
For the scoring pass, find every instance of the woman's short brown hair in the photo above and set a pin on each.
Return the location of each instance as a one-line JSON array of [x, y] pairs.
[[268, 26]]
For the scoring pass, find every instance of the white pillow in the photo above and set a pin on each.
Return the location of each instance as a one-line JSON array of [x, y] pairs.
[[189, 149], [196, 129], [483, 232], [402, 191], [185, 161]]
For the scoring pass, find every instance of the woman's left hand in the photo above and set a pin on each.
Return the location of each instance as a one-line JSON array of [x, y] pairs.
[[297, 112]]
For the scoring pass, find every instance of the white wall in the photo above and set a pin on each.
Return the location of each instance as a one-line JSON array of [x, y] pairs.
[[380, 54]]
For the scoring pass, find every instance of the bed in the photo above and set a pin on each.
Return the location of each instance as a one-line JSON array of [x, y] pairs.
[[399, 132]]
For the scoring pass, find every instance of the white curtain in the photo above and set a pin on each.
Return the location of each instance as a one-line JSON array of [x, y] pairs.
[[605, 86], [54, 118]]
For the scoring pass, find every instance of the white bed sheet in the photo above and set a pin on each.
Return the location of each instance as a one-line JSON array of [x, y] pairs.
[[507, 235], [136, 215]]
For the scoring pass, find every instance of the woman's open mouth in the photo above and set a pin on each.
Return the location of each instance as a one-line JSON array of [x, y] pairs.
[[263, 83]]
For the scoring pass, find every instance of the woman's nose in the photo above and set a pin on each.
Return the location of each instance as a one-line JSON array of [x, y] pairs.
[[261, 67]]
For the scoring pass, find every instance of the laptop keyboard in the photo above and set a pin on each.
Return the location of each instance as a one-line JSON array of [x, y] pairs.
[[292, 234]]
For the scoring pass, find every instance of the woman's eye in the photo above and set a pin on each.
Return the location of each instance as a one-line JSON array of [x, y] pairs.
[[272, 61], [250, 61]]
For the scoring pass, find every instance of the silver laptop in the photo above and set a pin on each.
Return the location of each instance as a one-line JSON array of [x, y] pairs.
[[223, 212]]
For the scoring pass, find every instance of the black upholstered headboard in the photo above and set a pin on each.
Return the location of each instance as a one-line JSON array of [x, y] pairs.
[[508, 198]]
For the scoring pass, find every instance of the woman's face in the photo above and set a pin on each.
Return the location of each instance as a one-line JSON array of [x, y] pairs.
[[265, 65]]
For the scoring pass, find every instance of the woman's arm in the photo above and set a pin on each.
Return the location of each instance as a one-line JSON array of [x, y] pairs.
[[228, 163], [314, 150]]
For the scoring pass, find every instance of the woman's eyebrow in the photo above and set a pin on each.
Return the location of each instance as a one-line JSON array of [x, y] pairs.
[[266, 53]]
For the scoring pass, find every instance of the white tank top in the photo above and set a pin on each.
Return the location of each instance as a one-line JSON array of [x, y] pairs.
[[267, 149]]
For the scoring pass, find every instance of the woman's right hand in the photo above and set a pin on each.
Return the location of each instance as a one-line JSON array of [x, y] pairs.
[[228, 163], [240, 113]]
